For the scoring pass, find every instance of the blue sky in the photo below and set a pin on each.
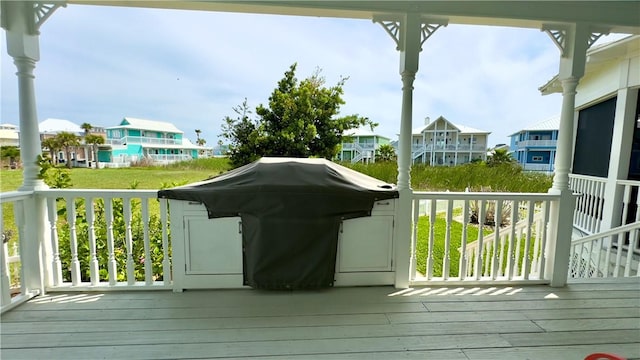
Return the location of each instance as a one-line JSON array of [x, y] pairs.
[[99, 64]]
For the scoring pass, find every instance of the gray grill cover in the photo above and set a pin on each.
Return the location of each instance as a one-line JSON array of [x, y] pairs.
[[291, 211]]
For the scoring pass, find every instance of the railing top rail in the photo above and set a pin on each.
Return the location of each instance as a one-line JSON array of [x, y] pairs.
[[117, 193], [613, 231], [435, 195], [10, 196], [588, 177], [628, 182]]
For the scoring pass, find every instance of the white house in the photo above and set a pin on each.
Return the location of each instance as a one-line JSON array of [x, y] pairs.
[[443, 143], [9, 135]]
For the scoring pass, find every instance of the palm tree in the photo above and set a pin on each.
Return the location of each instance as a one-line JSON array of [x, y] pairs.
[[67, 141], [87, 128], [198, 131], [94, 141], [51, 144], [500, 156], [201, 142]]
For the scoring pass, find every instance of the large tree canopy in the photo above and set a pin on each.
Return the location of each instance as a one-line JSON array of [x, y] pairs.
[[300, 120]]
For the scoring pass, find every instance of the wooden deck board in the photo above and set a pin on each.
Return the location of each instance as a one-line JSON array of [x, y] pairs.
[[342, 323]]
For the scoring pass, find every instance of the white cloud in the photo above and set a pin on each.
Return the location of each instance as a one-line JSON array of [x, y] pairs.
[[99, 64]]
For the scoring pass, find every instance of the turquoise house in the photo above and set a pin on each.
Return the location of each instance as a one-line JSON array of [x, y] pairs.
[[135, 140], [360, 145]]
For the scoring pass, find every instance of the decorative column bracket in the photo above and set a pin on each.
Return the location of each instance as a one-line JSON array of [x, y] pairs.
[[391, 24], [41, 12], [558, 35]]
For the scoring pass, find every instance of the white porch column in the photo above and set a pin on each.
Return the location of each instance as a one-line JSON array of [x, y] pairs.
[[21, 23], [573, 42], [621, 144], [409, 31]]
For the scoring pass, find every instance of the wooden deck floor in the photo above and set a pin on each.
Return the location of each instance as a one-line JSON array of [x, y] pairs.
[[530, 322]]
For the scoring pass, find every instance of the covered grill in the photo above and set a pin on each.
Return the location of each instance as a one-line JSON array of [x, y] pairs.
[[291, 210]]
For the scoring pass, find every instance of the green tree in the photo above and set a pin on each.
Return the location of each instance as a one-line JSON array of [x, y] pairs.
[[94, 141], [386, 152], [67, 141], [12, 153], [51, 144], [300, 120], [500, 156]]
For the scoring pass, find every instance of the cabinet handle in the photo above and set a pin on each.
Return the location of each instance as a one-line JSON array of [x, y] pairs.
[[239, 227], [194, 203], [383, 203]]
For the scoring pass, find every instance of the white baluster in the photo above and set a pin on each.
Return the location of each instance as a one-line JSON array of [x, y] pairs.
[[526, 264], [111, 261], [73, 241], [126, 208], [19, 219], [511, 259], [5, 296], [148, 261], [464, 257], [446, 257], [166, 262], [478, 264], [52, 210], [495, 260], [94, 268], [543, 243], [432, 224]]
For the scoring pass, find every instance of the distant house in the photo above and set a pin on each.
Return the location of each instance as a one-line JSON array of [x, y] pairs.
[[51, 127], [534, 147], [156, 141], [360, 145], [443, 143], [9, 135]]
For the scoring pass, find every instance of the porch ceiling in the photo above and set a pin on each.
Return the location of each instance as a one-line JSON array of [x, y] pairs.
[[615, 16]]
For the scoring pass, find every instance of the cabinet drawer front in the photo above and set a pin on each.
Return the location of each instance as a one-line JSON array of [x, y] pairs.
[[384, 205]]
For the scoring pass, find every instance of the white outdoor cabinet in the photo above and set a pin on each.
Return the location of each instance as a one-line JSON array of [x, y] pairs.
[[207, 253]]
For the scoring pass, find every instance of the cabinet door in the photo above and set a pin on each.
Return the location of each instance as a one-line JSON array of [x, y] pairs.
[[213, 246], [366, 244]]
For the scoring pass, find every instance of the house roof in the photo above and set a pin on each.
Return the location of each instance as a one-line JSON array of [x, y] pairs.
[[595, 56], [462, 128], [552, 123], [143, 124], [54, 126], [362, 132]]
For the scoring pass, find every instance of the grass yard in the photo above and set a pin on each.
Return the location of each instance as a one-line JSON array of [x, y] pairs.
[[440, 228]]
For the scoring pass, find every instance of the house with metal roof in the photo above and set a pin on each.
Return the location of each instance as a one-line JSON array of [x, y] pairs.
[[534, 147], [136, 140], [441, 142], [360, 145]]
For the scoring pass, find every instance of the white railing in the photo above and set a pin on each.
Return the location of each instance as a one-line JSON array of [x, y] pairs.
[[107, 239], [587, 216], [169, 157], [530, 228], [12, 289], [630, 201], [606, 254], [540, 143], [538, 167], [143, 140], [442, 241]]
